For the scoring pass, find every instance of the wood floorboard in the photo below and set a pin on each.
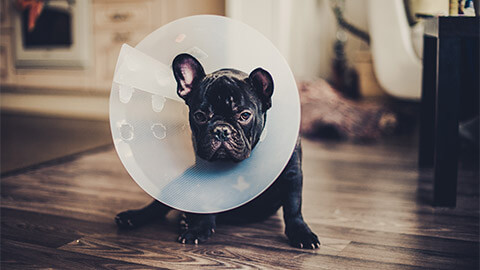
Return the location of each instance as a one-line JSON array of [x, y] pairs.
[[222, 253], [413, 257], [369, 205], [29, 140], [47, 230], [19, 255], [402, 240]]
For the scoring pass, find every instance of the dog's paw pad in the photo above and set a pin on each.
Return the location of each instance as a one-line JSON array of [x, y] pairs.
[[126, 220], [302, 237], [305, 241], [195, 236]]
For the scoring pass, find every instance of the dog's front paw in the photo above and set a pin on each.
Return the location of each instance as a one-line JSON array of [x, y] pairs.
[[130, 219], [300, 236], [197, 230], [195, 235]]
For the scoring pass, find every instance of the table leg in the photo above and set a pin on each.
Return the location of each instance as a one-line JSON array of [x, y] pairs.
[[427, 106], [446, 122]]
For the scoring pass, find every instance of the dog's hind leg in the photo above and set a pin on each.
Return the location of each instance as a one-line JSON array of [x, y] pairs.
[[135, 218]]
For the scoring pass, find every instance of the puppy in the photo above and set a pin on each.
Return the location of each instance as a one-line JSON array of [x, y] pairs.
[[227, 115]]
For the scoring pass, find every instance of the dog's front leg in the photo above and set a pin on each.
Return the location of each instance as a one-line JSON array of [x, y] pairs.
[[196, 228], [291, 180], [135, 218]]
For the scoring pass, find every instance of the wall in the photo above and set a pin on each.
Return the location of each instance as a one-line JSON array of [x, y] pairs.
[[83, 93], [307, 30], [304, 31]]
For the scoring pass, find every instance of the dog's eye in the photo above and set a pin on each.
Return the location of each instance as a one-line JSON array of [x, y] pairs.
[[244, 116], [200, 117]]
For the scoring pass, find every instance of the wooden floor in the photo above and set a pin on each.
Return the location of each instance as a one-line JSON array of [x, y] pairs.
[[28, 140], [368, 204]]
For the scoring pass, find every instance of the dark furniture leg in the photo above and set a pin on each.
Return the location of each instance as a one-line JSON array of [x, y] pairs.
[[427, 107], [446, 122]]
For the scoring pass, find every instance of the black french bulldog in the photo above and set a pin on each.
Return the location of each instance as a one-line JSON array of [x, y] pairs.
[[227, 116]]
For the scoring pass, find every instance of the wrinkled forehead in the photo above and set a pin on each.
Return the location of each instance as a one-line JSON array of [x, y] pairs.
[[226, 95]]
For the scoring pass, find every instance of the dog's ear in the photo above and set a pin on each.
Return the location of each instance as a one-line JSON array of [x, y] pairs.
[[262, 82], [187, 71]]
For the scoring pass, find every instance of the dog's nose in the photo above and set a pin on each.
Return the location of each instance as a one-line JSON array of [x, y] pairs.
[[222, 132]]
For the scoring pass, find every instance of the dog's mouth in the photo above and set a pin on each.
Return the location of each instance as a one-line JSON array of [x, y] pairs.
[[221, 154], [227, 151]]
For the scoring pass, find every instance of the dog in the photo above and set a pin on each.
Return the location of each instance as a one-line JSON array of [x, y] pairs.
[[227, 114]]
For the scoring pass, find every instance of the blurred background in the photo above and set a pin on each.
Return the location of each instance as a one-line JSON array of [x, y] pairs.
[[57, 60]]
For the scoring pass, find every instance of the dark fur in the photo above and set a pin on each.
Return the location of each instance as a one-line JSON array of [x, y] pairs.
[[222, 97]]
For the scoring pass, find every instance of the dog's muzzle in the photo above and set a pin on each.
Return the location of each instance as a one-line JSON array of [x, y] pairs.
[[222, 133]]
